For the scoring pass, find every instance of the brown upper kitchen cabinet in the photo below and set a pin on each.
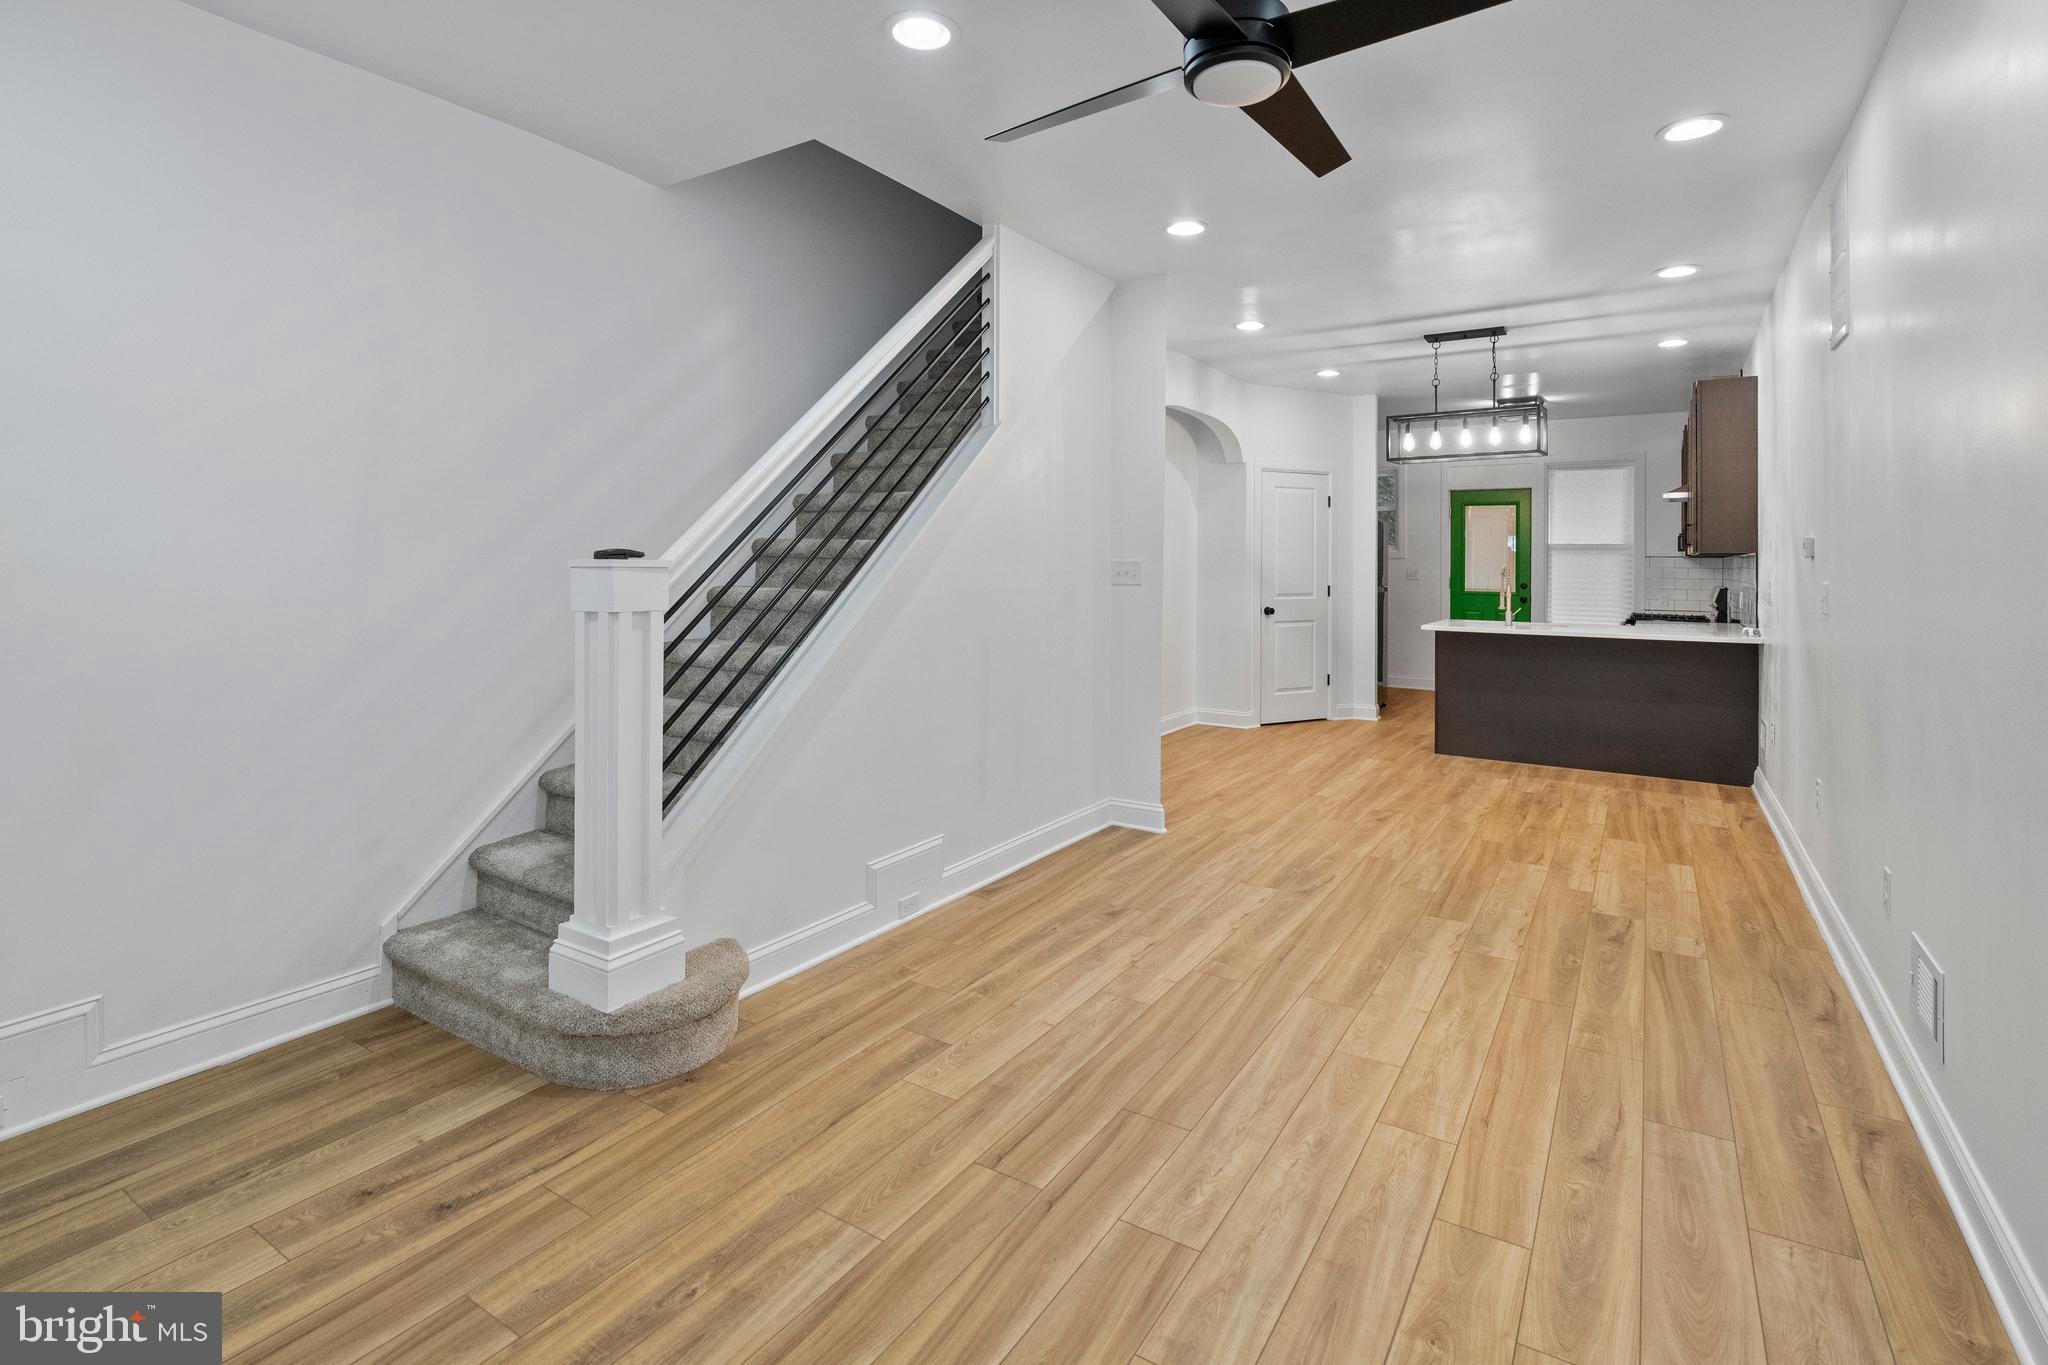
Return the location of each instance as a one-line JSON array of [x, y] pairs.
[[1717, 469]]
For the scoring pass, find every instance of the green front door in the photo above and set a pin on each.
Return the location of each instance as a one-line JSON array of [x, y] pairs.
[[1489, 536]]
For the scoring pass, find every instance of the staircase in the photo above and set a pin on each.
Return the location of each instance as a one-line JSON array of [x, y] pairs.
[[484, 974]]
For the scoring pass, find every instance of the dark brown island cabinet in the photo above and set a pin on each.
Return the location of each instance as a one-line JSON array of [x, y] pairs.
[[1717, 462]]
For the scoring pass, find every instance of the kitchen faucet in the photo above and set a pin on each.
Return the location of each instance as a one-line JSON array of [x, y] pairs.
[[1507, 596]]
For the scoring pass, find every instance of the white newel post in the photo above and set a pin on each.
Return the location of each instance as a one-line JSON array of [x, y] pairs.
[[620, 945]]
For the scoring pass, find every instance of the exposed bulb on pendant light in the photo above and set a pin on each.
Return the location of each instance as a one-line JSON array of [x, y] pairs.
[[1526, 434], [1407, 438], [1464, 435], [1493, 433], [1436, 439]]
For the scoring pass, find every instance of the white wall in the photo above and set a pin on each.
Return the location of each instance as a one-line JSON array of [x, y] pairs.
[[1913, 456], [1179, 555], [1276, 427], [314, 384], [1418, 579], [998, 694]]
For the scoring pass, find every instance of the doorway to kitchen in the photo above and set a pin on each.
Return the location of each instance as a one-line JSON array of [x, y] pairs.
[[1490, 553]]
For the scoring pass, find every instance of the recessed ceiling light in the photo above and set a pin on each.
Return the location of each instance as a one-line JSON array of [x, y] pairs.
[[1678, 272], [1186, 227], [921, 30], [1326, 374], [1672, 343], [1692, 129], [1251, 325]]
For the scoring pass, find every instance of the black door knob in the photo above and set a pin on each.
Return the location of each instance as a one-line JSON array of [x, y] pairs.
[[1269, 611]]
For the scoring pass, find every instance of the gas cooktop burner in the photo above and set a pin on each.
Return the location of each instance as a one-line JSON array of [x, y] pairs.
[[1700, 618]]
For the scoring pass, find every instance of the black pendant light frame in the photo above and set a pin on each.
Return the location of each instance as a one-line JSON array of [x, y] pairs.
[[1532, 412]]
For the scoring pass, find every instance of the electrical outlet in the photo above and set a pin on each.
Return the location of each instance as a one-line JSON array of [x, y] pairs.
[[1774, 732], [906, 906], [1415, 575], [1126, 573], [1806, 546], [1827, 592], [1816, 795], [1887, 893]]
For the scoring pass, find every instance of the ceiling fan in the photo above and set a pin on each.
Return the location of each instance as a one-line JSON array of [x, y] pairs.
[[1243, 54]]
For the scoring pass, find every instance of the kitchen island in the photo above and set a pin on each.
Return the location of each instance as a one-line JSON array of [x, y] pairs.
[[1660, 699]]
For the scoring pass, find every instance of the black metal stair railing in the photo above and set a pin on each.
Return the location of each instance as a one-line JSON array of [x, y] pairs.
[[761, 592]]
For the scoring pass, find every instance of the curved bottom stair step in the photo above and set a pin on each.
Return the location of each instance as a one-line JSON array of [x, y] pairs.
[[485, 979]]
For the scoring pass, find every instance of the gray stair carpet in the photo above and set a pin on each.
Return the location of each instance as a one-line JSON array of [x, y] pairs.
[[483, 974]]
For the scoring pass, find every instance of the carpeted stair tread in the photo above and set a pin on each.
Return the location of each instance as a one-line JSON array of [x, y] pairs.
[[714, 661], [768, 549], [505, 965], [536, 859], [486, 980], [560, 782], [539, 861]]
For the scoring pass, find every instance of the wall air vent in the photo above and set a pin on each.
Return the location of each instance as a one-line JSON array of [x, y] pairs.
[[1929, 993]]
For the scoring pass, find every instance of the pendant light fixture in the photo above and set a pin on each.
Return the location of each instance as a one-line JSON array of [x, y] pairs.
[[1516, 428]]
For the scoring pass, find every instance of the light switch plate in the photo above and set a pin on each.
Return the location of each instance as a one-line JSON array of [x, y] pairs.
[[1127, 573]]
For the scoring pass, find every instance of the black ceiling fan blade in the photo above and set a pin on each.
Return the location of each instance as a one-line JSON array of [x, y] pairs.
[[1200, 18], [1296, 124], [1341, 26], [1123, 94]]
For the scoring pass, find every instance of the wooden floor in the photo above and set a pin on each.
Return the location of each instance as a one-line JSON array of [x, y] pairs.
[[1378, 1056]]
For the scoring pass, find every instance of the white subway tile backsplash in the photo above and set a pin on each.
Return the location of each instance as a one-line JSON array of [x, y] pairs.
[[1689, 585]]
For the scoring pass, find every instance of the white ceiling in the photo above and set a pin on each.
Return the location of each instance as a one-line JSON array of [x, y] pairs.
[[1504, 166]]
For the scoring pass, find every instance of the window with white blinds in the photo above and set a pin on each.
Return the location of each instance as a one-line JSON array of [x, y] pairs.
[[1592, 545]]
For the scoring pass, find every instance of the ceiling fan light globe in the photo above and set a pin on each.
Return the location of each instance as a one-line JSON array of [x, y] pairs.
[[1237, 76]]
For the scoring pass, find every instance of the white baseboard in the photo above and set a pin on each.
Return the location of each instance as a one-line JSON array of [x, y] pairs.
[[1413, 684], [1179, 720], [56, 1063], [1230, 720], [2015, 1287], [793, 952], [1364, 711]]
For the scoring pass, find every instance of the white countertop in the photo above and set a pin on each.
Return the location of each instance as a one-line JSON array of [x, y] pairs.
[[1694, 632]]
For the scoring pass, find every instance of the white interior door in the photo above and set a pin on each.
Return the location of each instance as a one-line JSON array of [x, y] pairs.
[[1294, 596]]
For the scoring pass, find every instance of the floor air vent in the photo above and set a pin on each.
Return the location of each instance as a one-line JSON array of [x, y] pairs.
[[1930, 999]]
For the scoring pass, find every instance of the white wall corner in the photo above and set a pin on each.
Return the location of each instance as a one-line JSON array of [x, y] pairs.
[[1179, 720], [1230, 720], [2014, 1284], [1354, 711]]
